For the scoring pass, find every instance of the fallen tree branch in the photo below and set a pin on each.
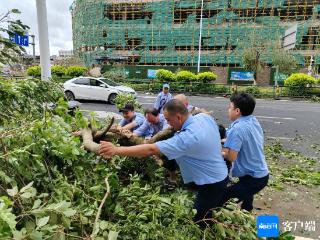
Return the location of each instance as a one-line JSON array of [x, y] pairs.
[[125, 137], [100, 134], [88, 142]]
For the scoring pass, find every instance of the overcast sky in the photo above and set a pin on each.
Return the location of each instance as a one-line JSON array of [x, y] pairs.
[[59, 21]]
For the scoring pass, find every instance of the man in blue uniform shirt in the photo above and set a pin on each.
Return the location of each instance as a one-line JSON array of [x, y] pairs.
[[154, 123], [163, 98], [131, 119], [244, 147], [196, 148], [184, 100]]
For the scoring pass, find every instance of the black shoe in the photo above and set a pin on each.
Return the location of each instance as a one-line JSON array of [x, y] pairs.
[[170, 186]]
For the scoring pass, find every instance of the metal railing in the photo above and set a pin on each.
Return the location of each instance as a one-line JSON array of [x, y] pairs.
[[226, 89]]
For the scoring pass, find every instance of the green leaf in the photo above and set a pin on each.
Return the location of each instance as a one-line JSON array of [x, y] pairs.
[[69, 212], [36, 235], [36, 204], [103, 225], [42, 221], [27, 195], [30, 226], [166, 200], [75, 151], [12, 192], [17, 11], [59, 236], [25, 188], [113, 235], [220, 230], [66, 222], [19, 235]]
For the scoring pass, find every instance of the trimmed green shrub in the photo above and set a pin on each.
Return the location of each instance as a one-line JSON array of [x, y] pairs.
[[209, 88], [186, 76], [253, 90], [76, 71], [299, 79], [165, 76], [298, 84], [58, 70], [206, 77], [34, 71]]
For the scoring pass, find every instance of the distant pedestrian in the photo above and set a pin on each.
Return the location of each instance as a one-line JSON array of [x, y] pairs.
[[163, 97]]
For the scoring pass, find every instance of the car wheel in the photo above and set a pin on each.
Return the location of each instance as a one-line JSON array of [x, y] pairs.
[[111, 98], [69, 95]]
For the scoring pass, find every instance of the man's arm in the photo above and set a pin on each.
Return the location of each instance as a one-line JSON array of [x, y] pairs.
[[108, 150], [122, 122], [229, 154], [141, 131], [130, 126]]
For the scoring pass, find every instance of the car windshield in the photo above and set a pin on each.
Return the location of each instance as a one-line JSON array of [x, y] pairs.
[[109, 82]]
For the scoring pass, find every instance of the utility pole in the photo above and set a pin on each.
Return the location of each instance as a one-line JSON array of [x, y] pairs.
[[200, 37], [310, 66], [33, 48], [43, 40]]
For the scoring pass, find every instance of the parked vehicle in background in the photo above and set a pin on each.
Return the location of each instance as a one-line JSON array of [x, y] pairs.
[[73, 106], [89, 88]]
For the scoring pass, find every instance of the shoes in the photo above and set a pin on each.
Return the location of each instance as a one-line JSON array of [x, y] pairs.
[[169, 185]]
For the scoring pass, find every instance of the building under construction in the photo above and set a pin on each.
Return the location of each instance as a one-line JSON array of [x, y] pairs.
[[166, 32]]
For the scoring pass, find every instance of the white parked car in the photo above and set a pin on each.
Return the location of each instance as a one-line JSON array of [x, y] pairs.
[[89, 88]]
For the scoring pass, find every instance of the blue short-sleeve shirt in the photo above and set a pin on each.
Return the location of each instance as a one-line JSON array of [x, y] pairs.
[[148, 129], [138, 118], [161, 100], [245, 136], [197, 150]]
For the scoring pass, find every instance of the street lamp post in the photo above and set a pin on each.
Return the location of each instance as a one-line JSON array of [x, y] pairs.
[[43, 40], [33, 48], [200, 37]]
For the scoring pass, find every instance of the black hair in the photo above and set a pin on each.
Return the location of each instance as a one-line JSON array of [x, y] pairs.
[[245, 102], [152, 111], [175, 106], [222, 131]]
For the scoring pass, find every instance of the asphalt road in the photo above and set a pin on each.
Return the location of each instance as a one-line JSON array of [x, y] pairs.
[[295, 123]]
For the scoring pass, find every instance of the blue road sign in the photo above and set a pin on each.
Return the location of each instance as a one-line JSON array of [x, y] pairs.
[[20, 40]]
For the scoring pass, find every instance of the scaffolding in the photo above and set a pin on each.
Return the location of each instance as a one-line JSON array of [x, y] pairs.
[[166, 32]]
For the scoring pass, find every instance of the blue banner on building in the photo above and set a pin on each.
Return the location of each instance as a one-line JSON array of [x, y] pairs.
[[242, 76], [152, 73]]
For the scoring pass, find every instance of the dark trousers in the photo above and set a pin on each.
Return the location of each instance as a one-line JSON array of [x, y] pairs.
[[245, 189], [171, 165], [208, 196]]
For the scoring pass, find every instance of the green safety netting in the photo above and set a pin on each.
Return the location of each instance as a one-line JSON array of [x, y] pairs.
[[160, 29], [216, 4], [188, 4], [244, 4], [271, 3]]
